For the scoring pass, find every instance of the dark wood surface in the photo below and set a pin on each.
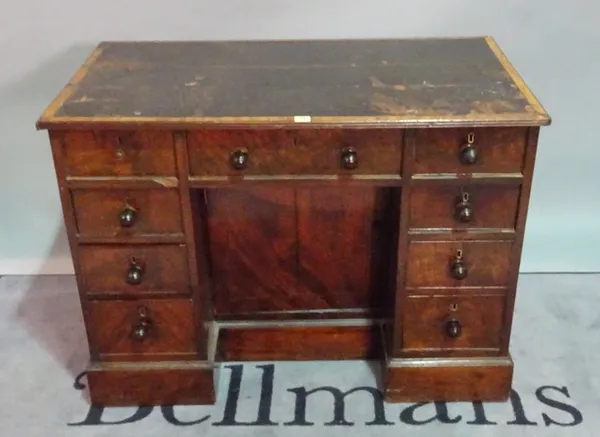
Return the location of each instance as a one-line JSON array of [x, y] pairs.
[[335, 238], [460, 81]]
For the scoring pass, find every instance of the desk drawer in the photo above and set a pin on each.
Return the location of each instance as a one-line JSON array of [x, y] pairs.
[[214, 153], [142, 329], [134, 269], [458, 263], [126, 213], [119, 153], [467, 206], [494, 150], [451, 322]]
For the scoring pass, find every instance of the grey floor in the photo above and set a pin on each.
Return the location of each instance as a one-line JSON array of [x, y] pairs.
[[555, 345]]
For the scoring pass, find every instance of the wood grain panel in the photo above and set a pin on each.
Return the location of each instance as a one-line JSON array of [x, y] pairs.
[[171, 330], [435, 206], [157, 211], [104, 268], [480, 319], [335, 248], [119, 153], [300, 343], [253, 240], [429, 263], [499, 150]]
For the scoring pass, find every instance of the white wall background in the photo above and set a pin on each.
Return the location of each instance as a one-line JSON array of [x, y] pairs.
[[554, 45]]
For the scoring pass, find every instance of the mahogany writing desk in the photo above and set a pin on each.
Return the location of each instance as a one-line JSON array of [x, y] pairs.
[[296, 200]]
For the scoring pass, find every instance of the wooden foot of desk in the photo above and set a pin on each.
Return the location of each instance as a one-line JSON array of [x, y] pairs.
[[452, 379], [137, 384], [405, 380]]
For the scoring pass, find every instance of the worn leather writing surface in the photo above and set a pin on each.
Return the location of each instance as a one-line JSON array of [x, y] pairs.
[[433, 78]]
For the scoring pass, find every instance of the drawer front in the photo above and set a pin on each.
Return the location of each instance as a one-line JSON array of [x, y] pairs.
[[126, 213], [134, 328], [451, 322], [134, 269], [119, 153], [458, 263], [295, 152], [469, 206], [494, 150]]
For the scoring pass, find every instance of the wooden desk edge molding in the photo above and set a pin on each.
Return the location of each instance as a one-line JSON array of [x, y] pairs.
[[296, 200]]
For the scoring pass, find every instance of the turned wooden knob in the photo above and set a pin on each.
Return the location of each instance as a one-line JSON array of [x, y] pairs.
[[239, 159], [135, 273], [463, 211], [468, 152], [458, 268], [349, 158], [453, 328], [127, 217]]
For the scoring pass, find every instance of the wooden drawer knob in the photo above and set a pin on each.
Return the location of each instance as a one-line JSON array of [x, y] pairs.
[[468, 152], [127, 217], [349, 158], [140, 330], [453, 328], [463, 211], [135, 273], [458, 268], [239, 159]]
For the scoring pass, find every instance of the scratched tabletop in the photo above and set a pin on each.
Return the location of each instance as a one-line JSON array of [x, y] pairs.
[[411, 81]]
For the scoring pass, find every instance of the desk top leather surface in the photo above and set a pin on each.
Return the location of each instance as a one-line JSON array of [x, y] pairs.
[[410, 82]]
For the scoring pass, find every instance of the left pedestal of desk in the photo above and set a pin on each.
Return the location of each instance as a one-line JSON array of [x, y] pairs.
[[128, 213]]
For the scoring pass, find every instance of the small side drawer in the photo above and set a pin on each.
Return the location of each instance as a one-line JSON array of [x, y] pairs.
[[458, 207], [119, 153], [458, 263], [494, 150], [127, 213], [218, 153], [134, 269], [451, 322], [139, 329]]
